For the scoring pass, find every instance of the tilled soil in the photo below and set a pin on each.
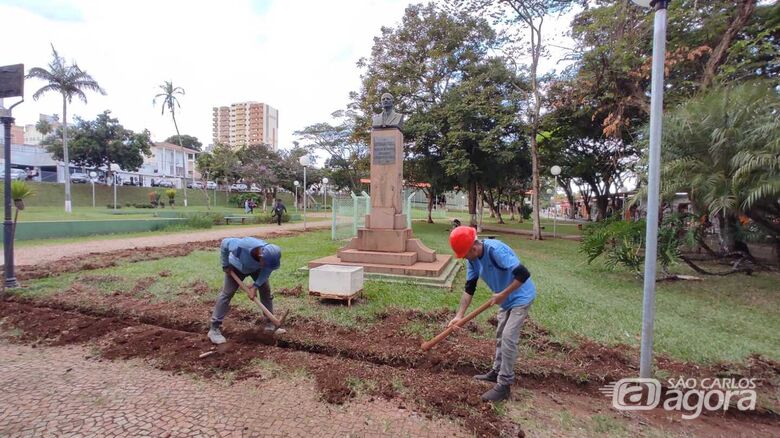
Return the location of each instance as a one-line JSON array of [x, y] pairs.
[[381, 360]]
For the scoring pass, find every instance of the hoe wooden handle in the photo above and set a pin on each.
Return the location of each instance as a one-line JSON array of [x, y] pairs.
[[265, 310], [440, 337]]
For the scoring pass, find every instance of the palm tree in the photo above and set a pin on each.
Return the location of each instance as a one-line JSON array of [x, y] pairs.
[[68, 80], [170, 101]]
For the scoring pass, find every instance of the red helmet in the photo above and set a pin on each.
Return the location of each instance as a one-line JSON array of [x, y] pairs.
[[461, 240]]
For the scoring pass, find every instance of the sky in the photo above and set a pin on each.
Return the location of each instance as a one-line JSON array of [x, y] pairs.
[[298, 56]]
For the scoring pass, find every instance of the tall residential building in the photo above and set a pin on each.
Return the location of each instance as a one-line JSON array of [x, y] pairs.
[[246, 123], [31, 133]]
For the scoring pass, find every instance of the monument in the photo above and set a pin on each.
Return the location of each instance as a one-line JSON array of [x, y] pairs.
[[386, 245]]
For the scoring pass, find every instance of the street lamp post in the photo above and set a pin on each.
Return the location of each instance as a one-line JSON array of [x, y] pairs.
[[305, 162], [296, 184], [115, 178], [324, 192], [653, 182], [92, 176], [11, 85], [555, 170]]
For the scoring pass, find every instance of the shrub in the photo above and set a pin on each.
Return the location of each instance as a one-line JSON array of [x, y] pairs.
[[171, 194], [111, 206], [143, 205], [270, 218], [623, 242], [200, 221]]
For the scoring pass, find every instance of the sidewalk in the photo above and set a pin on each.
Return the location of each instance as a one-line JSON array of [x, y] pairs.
[[47, 253], [56, 391]]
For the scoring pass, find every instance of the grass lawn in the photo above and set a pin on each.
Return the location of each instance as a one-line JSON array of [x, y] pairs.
[[35, 213], [562, 226], [724, 318]]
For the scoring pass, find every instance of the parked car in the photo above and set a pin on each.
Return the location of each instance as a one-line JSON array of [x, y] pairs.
[[211, 185], [18, 174], [165, 183], [238, 187], [194, 185], [79, 178], [254, 188]]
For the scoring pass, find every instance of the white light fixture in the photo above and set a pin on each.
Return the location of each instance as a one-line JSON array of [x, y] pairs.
[[643, 3], [296, 183], [305, 161], [555, 170], [324, 180]]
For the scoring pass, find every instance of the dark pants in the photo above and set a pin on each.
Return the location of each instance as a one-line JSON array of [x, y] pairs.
[[278, 219], [229, 289]]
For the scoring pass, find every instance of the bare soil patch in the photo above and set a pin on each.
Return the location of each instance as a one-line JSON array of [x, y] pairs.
[[381, 360]]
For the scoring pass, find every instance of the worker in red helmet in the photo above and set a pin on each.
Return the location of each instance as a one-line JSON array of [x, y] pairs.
[[514, 291]]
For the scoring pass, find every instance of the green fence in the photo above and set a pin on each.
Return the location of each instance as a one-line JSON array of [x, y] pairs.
[[349, 214]]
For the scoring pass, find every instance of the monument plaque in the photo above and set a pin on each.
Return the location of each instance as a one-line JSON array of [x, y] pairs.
[[384, 151]]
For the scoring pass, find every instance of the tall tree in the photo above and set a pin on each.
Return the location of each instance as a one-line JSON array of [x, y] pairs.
[[418, 62], [103, 142], [68, 80], [186, 141], [171, 102], [526, 16], [346, 153]]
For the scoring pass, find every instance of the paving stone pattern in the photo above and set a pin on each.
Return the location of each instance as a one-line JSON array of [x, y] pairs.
[[59, 391]]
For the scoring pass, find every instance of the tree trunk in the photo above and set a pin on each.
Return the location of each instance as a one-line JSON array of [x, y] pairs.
[[745, 9], [65, 157], [495, 210], [472, 203], [430, 205]]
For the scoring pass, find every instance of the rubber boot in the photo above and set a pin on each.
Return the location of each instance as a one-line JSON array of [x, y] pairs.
[[490, 376], [215, 335], [497, 393]]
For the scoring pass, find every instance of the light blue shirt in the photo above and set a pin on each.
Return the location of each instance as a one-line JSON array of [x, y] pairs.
[[237, 253], [495, 268]]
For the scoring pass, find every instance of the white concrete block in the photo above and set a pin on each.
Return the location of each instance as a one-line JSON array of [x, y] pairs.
[[336, 280]]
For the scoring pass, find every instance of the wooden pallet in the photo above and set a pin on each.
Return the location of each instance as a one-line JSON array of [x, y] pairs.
[[340, 297]]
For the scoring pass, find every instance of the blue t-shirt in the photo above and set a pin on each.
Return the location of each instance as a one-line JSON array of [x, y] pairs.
[[495, 267], [237, 252]]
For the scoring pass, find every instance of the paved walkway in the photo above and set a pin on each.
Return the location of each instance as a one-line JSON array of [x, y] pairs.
[[55, 391], [48, 253]]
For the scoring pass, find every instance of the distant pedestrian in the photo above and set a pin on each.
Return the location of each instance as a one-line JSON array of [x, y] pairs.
[[279, 209], [247, 207]]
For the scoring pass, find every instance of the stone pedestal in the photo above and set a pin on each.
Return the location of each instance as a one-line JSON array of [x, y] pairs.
[[386, 244]]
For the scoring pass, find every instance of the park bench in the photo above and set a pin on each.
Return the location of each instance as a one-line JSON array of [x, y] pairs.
[[235, 218]]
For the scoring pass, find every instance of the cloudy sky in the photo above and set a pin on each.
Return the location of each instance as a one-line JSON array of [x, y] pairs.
[[296, 55]]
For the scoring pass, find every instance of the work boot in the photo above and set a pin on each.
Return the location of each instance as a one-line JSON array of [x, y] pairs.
[[497, 393], [215, 335], [490, 376]]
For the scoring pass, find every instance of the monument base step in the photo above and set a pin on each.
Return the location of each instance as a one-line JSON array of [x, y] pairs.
[[378, 257], [437, 273]]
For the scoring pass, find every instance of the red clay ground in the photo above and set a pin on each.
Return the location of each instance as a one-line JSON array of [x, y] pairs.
[[382, 362]]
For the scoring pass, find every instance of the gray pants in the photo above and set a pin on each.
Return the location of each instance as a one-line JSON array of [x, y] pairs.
[[510, 323], [229, 289]]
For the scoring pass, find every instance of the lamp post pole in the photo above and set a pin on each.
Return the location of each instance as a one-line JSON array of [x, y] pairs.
[[305, 162], [653, 183], [555, 170], [296, 184], [92, 175], [324, 192], [11, 85]]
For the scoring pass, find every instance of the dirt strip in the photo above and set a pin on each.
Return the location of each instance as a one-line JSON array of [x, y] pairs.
[[382, 360]]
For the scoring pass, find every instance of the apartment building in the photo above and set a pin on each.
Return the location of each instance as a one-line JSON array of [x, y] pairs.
[[246, 123]]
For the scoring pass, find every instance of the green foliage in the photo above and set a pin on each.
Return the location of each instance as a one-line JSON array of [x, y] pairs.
[[20, 190], [238, 199], [171, 194], [102, 142], [187, 141], [271, 219], [622, 243], [111, 206], [200, 221]]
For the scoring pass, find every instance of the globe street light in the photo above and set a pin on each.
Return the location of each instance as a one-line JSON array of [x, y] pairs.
[[325, 192], [555, 170], [305, 161], [92, 176], [653, 182], [296, 184]]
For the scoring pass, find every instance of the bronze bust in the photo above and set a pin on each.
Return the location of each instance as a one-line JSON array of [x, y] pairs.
[[388, 118]]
